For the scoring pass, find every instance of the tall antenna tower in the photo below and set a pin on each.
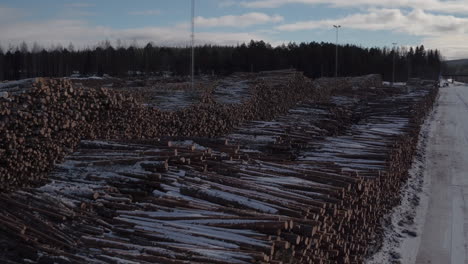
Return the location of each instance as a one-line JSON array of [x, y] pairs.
[[193, 45], [393, 67], [336, 50]]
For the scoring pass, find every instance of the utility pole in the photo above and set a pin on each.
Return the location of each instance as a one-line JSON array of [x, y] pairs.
[[336, 50], [193, 45], [393, 71]]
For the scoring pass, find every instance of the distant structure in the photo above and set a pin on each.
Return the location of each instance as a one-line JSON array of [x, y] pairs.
[[192, 71], [336, 49]]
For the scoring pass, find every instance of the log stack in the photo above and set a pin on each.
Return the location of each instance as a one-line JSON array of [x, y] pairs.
[[43, 123], [309, 186]]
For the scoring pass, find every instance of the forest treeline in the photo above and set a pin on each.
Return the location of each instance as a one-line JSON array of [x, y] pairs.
[[314, 59]]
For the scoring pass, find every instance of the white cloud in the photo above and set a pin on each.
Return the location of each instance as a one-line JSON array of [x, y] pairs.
[[244, 20], [444, 32], [83, 34], [145, 13], [458, 6], [416, 22], [451, 47]]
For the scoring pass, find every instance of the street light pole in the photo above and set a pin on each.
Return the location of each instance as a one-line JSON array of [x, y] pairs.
[[336, 50], [193, 44], [393, 71]]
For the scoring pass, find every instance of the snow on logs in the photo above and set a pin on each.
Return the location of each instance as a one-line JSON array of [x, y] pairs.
[[302, 188], [42, 123]]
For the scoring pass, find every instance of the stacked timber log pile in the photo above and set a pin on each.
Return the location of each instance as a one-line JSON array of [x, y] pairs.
[[234, 89], [348, 83], [41, 124], [367, 81], [172, 96], [287, 190]]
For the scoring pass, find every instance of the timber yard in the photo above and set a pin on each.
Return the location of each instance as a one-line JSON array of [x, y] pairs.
[[292, 171], [233, 132]]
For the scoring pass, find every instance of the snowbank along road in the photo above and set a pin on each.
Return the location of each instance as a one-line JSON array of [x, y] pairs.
[[445, 233]]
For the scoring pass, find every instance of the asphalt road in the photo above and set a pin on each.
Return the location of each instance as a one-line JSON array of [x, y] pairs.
[[444, 236]]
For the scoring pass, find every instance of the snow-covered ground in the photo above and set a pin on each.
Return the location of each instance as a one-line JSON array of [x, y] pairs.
[[232, 90], [431, 225], [12, 84]]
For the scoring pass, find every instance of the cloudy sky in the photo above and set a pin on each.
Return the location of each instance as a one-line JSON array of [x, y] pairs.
[[433, 23]]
